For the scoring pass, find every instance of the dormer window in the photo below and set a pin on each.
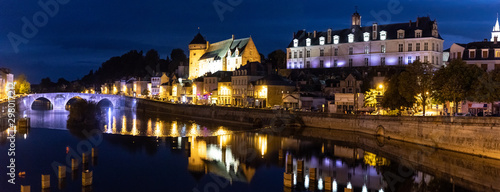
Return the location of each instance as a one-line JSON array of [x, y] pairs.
[[295, 43], [228, 52], [236, 52], [418, 33], [321, 40], [383, 35], [350, 38], [366, 36], [335, 39], [401, 34], [308, 42]]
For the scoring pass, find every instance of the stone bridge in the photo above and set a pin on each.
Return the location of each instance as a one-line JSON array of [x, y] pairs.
[[59, 100]]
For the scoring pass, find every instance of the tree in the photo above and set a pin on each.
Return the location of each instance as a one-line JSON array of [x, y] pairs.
[[277, 59], [178, 58], [454, 83], [370, 99], [392, 98], [145, 92], [22, 85], [46, 85], [416, 82], [487, 87]]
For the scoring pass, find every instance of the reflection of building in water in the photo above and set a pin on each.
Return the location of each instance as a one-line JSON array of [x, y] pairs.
[[349, 167]]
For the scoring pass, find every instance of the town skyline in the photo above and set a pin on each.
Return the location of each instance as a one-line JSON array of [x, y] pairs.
[[67, 47]]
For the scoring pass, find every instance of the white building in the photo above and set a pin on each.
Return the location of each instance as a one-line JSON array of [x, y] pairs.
[[376, 45], [496, 31]]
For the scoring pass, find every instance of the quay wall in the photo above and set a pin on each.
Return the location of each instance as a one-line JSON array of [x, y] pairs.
[[472, 135]]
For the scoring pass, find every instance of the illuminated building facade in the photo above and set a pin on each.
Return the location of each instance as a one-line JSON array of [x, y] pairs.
[[375, 45], [268, 91], [241, 82], [226, 55]]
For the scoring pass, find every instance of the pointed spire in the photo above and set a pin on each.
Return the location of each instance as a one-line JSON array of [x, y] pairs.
[[497, 26]]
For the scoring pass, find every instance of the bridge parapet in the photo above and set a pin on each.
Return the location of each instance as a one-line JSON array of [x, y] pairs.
[[59, 100]]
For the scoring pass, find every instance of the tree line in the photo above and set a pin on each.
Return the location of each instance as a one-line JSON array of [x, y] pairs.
[[421, 84]]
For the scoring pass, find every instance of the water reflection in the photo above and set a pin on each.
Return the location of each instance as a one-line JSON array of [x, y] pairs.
[[174, 147]]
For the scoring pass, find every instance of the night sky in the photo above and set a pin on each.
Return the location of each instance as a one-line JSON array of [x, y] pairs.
[[81, 35]]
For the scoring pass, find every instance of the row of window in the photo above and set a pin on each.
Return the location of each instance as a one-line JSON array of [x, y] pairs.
[[472, 53], [367, 62], [435, 47], [239, 81], [366, 37]]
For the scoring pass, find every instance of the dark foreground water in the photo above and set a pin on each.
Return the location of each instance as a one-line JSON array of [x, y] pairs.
[[137, 152]]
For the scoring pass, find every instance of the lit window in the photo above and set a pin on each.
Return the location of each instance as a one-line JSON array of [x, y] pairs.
[[336, 39], [383, 35], [472, 54], [322, 40], [308, 42], [497, 53], [366, 36], [382, 48], [485, 54], [401, 34], [409, 59], [350, 38]]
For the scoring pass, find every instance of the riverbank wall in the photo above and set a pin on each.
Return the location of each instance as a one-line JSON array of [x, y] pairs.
[[472, 135]]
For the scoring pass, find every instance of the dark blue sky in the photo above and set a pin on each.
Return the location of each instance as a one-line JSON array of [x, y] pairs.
[[81, 35]]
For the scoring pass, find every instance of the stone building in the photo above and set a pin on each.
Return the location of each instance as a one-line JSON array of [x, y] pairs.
[[375, 45], [226, 55]]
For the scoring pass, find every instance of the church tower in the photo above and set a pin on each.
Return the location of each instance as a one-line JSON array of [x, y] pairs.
[[197, 48], [496, 31]]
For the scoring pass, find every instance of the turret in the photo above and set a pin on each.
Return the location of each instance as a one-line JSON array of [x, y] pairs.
[[356, 19], [198, 42]]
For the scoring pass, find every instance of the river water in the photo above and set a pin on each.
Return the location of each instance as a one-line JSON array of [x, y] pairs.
[[158, 152]]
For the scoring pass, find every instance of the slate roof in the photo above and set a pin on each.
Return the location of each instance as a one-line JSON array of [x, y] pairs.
[[198, 39], [424, 23], [479, 46], [220, 49]]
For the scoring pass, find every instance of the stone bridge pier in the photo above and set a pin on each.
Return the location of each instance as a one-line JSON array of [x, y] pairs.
[[59, 100]]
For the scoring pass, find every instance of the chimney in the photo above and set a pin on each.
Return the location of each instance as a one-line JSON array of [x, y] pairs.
[[495, 40], [233, 36], [294, 35], [417, 21], [208, 45], [315, 32], [410, 24], [485, 40]]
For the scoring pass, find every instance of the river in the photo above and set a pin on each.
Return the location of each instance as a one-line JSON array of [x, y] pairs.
[[152, 152]]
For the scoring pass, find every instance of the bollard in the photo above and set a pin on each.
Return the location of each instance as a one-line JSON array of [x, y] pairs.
[[312, 174], [289, 163], [85, 158], [328, 183], [347, 190], [300, 165], [45, 181], [86, 178], [62, 172], [74, 164], [288, 179], [25, 188], [94, 152]]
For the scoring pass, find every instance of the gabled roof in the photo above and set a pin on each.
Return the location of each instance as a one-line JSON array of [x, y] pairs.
[[198, 39], [424, 23], [218, 50], [274, 79]]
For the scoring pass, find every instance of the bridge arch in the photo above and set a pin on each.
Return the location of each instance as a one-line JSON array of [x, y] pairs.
[[102, 100], [41, 97], [67, 101]]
